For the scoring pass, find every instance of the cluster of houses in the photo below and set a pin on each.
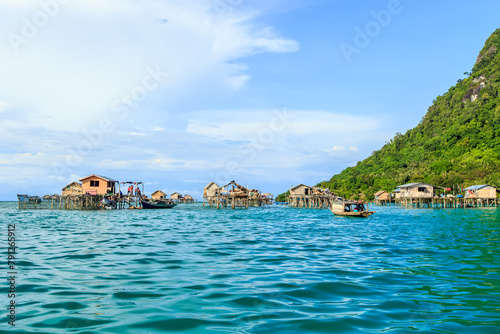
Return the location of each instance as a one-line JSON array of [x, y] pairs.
[[303, 196], [101, 185], [234, 195], [175, 197], [421, 190]]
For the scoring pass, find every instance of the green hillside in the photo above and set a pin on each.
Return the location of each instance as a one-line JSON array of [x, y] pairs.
[[456, 143]]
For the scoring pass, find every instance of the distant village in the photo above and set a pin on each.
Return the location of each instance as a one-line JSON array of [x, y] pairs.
[[95, 192], [101, 185], [416, 194]]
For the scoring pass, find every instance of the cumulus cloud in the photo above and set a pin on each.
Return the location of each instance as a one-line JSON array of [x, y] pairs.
[[90, 54], [243, 125], [92, 62], [336, 148]]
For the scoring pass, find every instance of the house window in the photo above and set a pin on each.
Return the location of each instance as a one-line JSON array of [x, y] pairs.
[[421, 189], [94, 183]]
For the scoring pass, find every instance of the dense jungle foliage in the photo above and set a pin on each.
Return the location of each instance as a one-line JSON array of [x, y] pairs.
[[457, 143]]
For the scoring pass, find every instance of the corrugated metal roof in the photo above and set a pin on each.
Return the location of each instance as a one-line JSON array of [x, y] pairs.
[[413, 184], [101, 177], [477, 187]]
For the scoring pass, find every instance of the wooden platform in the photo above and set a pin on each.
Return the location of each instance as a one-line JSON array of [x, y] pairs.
[[76, 202]]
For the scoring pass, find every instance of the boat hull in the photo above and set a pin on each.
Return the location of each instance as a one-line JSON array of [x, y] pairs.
[[362, 214], [351, 209], [148, 205]]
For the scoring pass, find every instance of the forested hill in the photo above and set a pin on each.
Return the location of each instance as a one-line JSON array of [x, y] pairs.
[[456, 143]]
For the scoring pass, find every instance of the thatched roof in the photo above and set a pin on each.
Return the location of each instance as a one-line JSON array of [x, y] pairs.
[[378, 193], [73, 184], [158, 192], [210, 185]]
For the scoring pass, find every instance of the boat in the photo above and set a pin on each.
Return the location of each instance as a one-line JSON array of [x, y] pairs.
[[351, 209], [157, 205], [107, 202]]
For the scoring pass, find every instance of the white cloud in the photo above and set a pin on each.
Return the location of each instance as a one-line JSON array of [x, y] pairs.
[[133, 133], [336, 148], [91, 53], [247, 125], [237, 81], [3, 106]]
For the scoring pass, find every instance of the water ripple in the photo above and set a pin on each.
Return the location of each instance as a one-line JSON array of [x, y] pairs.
[[262, 270]]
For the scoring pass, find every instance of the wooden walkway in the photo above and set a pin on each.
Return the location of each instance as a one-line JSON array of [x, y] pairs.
[[450, 203]]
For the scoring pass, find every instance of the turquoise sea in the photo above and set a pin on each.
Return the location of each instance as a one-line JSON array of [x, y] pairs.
[[262, 270]]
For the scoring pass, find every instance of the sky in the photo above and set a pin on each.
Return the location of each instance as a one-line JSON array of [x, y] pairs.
[[177, 94]]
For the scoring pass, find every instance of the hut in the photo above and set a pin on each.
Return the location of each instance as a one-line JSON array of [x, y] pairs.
[[158, 195], [416, 190], [176, 197], [300, 190], [397, 193], [382, 196], [188, 199], [300, 196], [211, 190], [483, 191], [98, 185], [74, 188], [211, 193]]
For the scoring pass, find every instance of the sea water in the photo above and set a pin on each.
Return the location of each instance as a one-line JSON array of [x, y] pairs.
[[195, 269]]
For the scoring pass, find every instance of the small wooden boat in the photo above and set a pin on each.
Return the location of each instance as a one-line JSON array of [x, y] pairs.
[[157, 205], [351, 208]]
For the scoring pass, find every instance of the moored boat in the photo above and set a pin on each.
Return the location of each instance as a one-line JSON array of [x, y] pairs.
[[351, 208], [157, 205]]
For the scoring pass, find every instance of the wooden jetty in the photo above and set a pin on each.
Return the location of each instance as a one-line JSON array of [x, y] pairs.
[[78, 202], [95, 192], [234, 195]]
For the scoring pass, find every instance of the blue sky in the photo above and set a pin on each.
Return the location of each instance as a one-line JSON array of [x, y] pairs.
[[181, 93]]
